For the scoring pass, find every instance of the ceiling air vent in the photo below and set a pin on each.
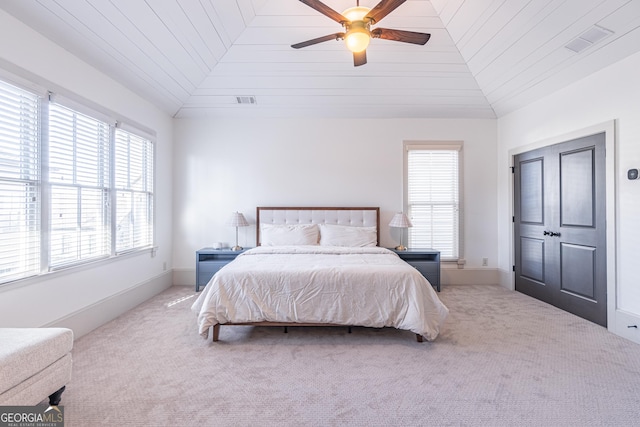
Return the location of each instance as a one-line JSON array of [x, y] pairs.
[[590, 37], [246, 99]]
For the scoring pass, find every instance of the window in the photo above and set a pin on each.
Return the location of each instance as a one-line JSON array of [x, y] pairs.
[[134, 191], [433, 197], [19, 183], [79, 179], [74, 187]]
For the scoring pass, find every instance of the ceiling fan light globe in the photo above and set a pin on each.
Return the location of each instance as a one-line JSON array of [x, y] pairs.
[[356, 13], [357, 40]]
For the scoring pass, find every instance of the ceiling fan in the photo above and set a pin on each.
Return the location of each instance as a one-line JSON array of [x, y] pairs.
[[357, 23]]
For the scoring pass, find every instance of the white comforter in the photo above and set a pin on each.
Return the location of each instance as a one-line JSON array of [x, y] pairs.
[[317, 284]]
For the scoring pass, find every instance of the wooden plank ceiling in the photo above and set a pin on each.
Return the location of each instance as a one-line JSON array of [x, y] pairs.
[[194, 58]]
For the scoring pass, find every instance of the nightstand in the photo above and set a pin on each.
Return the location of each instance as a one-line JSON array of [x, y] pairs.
[[209, 261], [426, 261]]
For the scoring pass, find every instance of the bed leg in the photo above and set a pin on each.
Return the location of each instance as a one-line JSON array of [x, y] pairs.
[[216, 332], [286, 330], [349, 329], [419, 338]]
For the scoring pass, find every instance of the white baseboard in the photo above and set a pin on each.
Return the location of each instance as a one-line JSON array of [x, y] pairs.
[[506, 279], [627, 325], [89, 318], [469, 276]]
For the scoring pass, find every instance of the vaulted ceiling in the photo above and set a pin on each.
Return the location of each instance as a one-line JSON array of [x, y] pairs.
[[196, 58]]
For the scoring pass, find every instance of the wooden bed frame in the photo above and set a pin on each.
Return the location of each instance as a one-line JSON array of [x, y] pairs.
[[355, 216]]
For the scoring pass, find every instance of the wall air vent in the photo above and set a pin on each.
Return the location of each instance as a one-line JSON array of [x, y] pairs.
[[587, 39], [246, 99]]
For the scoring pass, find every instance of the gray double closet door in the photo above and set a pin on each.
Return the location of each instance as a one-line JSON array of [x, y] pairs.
[[560, 226]]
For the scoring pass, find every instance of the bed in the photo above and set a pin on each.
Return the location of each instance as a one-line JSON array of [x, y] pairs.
[[318, 267]]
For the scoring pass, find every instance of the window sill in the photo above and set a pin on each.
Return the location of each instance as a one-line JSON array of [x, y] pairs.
[[75, 268]]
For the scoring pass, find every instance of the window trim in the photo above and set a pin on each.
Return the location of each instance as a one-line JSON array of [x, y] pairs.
[[437, 145]]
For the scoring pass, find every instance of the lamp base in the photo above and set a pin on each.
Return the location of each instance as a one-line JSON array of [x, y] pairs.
[[401, 248], [236, 248]]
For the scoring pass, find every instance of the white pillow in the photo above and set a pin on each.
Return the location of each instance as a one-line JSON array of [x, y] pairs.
[[343, 235], [288, 234]]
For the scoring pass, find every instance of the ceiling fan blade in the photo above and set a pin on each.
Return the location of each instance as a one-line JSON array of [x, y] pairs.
[[325, 10], [326, 38], [401, 35], [382, 9], [359, 58]]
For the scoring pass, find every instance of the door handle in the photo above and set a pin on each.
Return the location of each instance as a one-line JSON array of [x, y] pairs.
[[551, 233]]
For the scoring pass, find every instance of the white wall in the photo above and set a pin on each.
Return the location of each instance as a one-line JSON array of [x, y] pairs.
[[611, 94], [227, 165], [56, 298]]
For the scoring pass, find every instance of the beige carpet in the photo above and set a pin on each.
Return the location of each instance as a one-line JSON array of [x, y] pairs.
[[503, 359]]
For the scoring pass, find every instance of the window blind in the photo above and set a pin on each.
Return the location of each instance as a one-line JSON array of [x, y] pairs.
[[19, 183], [433, 199], [134, 191], [67, 173], [79, 185]]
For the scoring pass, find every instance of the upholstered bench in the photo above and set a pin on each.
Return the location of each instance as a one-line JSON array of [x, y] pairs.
[[35, 363]]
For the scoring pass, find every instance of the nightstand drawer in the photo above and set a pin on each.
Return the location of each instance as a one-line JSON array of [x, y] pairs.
[[209, 261], [206, 270], [426, 261], [430, 270]]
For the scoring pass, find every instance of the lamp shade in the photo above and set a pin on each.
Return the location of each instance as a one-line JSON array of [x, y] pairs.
[[400, 220], [237, 220]]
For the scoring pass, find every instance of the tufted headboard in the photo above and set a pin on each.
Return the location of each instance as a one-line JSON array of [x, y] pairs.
[[356, 217]]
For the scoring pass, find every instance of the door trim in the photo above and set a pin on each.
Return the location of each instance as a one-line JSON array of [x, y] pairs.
[[609, 128]]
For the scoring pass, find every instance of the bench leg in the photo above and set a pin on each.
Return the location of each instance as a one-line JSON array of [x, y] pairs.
[[54, 399]]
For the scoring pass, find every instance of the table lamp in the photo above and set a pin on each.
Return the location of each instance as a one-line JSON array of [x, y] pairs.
[[237, 220], [400, 220]]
